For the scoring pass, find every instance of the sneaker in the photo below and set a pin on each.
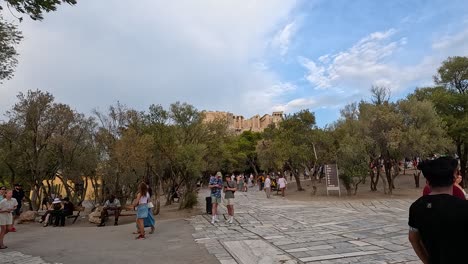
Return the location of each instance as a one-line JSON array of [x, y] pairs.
[[13, 229], [216, 219], [212, 221], [230, 220]]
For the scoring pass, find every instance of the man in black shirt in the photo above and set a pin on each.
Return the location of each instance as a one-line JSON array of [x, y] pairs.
[[438, 221], [18, 194]]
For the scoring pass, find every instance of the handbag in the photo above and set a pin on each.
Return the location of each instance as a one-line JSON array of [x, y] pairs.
[[150, 205]]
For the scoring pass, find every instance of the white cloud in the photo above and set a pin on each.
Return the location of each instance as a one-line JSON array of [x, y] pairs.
[[347, 76], [332, 98], [364, 62], [283, 38], [370, 62], [268, 99], [202, 52], [457, 43]]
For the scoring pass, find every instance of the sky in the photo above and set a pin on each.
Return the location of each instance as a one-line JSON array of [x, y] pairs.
[[246, 57]]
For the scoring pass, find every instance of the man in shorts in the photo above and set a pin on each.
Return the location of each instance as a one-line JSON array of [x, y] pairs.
[[437, 221], [113, 206], [282, 184], [267, 186], [229, 189], [216, 184]]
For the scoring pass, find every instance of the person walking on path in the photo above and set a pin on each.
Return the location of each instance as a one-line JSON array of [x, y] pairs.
[[267, 187], [141, 202], [282, 185], [229, 190], [240, 183], [149, 221], [251, 181], [216, 184], [433, 217], [245, 183], [261, 182], [7, 206], [18, 194]]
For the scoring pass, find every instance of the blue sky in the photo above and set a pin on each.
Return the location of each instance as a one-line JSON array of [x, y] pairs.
[[246, 57]]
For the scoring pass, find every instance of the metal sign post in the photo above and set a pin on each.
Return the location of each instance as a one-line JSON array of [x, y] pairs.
[[333, 181]]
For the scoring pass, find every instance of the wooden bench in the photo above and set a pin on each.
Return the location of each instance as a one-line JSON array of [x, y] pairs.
[[76, 213]]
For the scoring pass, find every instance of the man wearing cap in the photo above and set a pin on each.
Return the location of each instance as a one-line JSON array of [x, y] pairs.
[[216, 184]]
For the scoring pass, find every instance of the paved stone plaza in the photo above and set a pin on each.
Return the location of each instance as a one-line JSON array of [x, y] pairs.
[[280, 231]]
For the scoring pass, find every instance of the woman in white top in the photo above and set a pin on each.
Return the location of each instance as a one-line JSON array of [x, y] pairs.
[[7, 205], [141, 202], [282, 184]]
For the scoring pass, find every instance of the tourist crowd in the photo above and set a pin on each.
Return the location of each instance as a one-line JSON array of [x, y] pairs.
[[240, 183]]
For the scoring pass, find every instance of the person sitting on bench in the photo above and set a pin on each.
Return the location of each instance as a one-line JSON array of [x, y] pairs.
[[53, 214], [112, 204], [67, 210]]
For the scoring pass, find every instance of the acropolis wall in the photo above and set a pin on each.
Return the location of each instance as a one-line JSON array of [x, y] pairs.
[[239, 124]]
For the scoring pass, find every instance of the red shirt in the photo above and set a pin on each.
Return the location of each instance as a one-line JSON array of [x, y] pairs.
[[456, 192]]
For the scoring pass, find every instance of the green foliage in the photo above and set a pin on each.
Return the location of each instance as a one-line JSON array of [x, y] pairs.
[[352, 163], [289, 147], [43, 139], [10, 37], [243, 154], [190, 200], [36, 8], [453, 74], [451, 103]]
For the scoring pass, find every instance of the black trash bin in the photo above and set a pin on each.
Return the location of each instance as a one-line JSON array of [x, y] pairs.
[[208, 205]]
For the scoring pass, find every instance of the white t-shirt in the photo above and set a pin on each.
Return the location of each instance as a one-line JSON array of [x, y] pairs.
[[267, 183], [282, 182], [5, 204], [114, 204]]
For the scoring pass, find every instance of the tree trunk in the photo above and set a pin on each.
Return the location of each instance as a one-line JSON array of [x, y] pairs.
[[374, 175], [253, 166], [373, 186], [384, 184], [298, 181], [357, 185], [416, 178], [388, 174], [13, 174], [313, 180], [396, 172], [34, 204]]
